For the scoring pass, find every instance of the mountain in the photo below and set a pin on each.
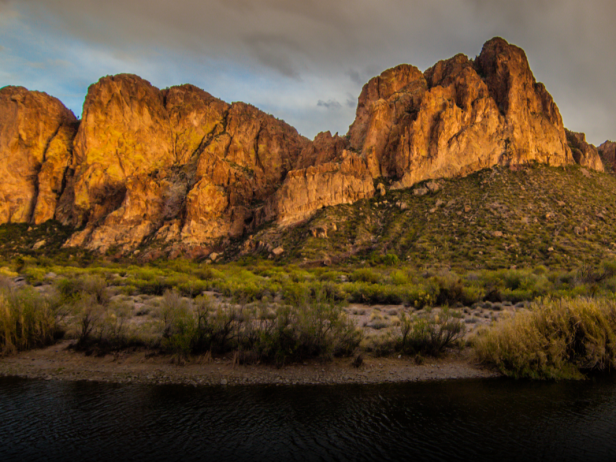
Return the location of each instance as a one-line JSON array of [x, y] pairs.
[[183, 172]]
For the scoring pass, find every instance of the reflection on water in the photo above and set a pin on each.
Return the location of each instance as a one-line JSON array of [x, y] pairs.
[[462, 420]]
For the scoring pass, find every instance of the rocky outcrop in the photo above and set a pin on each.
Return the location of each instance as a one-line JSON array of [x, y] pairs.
[[585, 154], [607, 151], [458, 117], [240, 169], [331, 183], [36, 137], [176, 164], [186, 170]]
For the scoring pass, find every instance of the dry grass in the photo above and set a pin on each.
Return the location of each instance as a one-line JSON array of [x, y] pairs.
[[27, 321], [556, 339]]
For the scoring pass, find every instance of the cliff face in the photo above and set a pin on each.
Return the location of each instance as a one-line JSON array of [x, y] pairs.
[[184, 169], [458, 117], [607, 151], [585, 154], [176, 164], [36, 136]]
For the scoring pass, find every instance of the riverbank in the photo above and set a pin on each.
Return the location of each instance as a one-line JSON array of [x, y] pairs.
[[60, 363]]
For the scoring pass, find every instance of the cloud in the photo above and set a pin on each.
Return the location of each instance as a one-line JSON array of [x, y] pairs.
[[277, 53], [2, 48], [255, 48], [330, 104]]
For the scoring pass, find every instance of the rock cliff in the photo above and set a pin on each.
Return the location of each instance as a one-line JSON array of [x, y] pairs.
[[36, 138], [585, 154], [458, 117], [607, 151], [183, 170], [176, 164]]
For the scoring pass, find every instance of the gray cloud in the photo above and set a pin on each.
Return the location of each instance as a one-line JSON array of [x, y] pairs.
[[330, 104], [333, 47]]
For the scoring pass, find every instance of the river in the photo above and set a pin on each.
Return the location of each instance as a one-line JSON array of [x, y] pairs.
[[490, 419]]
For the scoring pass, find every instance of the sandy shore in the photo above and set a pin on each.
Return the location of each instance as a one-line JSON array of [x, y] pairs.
[[59, 363]]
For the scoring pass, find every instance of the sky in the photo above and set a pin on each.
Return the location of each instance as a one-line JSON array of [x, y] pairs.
[[305, 61]]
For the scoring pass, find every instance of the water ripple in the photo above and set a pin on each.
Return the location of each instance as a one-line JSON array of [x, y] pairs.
[[476, 420]]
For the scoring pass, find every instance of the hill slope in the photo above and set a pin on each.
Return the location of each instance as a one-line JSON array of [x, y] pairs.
[[492, 219]]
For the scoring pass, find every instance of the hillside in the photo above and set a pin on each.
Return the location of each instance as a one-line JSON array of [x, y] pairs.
[[496, 218]]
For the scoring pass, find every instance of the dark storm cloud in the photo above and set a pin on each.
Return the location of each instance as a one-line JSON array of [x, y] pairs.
[[328, 48]]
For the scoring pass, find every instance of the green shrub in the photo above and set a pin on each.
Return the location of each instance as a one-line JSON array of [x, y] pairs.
[[74, 288], [365, 275], [431, 335], [317, 329]]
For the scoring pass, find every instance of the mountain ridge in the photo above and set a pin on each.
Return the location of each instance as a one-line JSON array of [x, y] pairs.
[[182, 169]]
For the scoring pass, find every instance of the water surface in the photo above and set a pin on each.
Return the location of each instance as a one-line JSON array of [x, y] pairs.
[[458, 420]]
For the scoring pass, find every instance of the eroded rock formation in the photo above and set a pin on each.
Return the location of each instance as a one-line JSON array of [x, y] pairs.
[[36, 138], [176, 164], [183, 169], [607, 151], [458, 117], [585, 154]]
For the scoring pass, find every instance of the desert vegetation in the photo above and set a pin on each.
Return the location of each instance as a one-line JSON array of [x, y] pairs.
[[531, 323], [555, 339]]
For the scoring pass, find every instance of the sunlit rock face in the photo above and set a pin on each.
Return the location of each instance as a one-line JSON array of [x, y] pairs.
[[178, 160], [184, 170], [36, 138], [458, 117]]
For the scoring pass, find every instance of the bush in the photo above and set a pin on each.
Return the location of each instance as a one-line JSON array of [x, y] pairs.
[[431, 335], [291, 333], [365, 275], [557, 339], [318, 329], [90, 315], [71, 289], [27, 320]]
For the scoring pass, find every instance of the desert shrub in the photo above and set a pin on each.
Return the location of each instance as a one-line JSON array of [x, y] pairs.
[[27, 320], [286, 334], [155, 286], [431, 335], [450, 289], [89, 315], [399, 277], [365, 275], [316, 329], [389, 259], [193, 287], [608, 268], [419, 297], [73, 288], [381, 344], [558, 338], [115, 330], [296, 294], [332, 276]]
